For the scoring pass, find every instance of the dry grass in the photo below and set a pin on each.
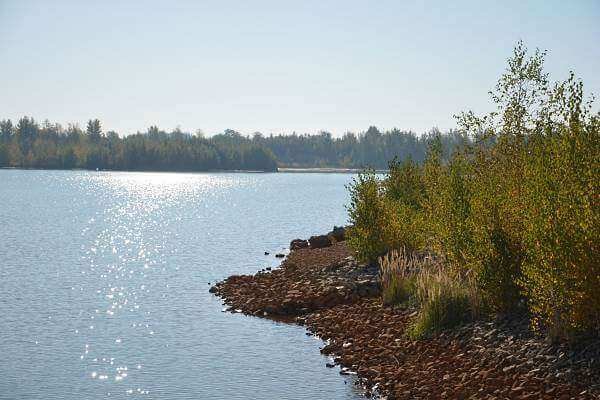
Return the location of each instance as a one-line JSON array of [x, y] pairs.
[[445, 299]]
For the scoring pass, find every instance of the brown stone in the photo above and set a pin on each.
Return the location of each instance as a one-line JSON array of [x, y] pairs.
[[369, 339]]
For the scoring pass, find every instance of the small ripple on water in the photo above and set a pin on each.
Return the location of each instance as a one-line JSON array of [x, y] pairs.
[[125, 253], [121, 263]]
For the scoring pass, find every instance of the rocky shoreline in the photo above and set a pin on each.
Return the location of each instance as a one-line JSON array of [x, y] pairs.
[[320, 285]]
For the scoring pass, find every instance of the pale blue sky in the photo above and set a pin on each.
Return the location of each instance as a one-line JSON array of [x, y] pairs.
[[277, 66]]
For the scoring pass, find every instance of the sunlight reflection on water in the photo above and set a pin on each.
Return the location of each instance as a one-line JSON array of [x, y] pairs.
[[105, 274]]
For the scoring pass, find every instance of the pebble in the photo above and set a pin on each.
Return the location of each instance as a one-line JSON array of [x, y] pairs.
[[337, 299]]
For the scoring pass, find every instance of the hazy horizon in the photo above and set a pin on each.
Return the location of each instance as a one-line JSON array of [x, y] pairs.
[[274, 67]]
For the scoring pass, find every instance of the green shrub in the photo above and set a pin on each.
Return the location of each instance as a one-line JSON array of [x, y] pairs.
[[515, 215], [562, 268], [367, 212], [398, 290], [404, 184], [495, 253], [443, 312], [448, 206], [386, 215], [446, 301]]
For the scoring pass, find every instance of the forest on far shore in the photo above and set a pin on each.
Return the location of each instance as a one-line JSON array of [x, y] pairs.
[[46, 145]]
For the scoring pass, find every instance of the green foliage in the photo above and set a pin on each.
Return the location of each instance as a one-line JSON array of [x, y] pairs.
[[562, 215], [94, 129], [398, 290], [404, 184], [495, 220], [386, 214], [448, 206], [534, 211], [367, 213], [397, 272], [515, 212], [446, 299], [4, 158], [29, 145], [371, 148], [448, 309], [52, 146]]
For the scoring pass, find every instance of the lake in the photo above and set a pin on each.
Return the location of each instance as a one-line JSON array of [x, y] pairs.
[[104, 280]]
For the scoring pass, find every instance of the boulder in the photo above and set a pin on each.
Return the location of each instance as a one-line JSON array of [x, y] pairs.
[[319, 241], [368, 288], [298, 244], [338, 233]]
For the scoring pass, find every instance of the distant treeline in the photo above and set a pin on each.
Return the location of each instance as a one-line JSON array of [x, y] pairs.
[[29, 144], [372, 148]]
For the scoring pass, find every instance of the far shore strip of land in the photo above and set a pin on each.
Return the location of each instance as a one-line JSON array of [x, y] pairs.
[[328, 170]]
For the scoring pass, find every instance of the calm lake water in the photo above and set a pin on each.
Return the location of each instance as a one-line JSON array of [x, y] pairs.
[[104, 285]]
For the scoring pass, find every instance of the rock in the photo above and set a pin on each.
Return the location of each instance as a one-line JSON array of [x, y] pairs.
[[333, 295], [213, 289], [508, 369], [367, 288], [338, 233], [319, 241], [298, 244], [517, 390]]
